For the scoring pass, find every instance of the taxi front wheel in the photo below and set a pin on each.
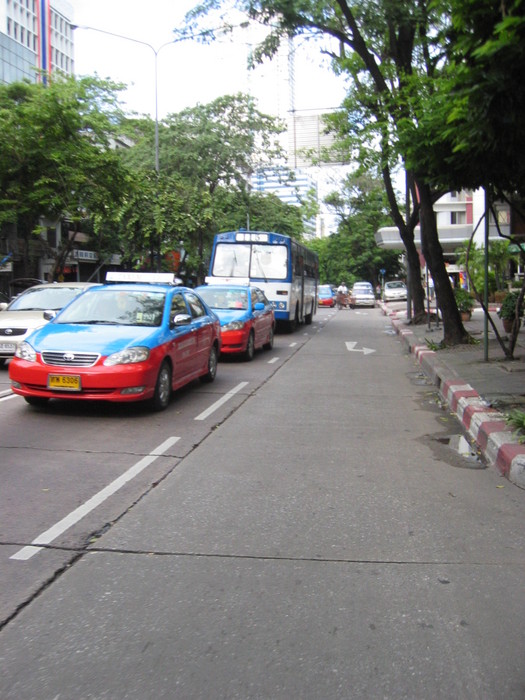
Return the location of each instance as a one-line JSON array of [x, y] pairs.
[[162, 395], [38, 401], [212, 366]]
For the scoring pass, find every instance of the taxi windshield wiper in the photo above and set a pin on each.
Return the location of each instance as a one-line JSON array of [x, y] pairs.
[[92, 321]]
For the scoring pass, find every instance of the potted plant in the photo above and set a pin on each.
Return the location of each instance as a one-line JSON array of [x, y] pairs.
[[465, 303], [507, 311]]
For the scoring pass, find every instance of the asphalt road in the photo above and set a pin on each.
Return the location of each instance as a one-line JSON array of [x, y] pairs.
[[301, 528]]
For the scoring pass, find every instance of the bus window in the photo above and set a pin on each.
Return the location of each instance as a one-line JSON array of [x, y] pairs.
[[231, 260], [269, 262]]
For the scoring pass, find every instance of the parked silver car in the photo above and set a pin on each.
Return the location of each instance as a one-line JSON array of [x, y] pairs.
[[26, 312], [395, 291]]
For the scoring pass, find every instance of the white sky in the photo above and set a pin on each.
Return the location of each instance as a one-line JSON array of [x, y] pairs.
[[188, 73]]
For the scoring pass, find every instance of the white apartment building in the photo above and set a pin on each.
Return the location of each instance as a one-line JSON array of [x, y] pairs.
[[457, 215]]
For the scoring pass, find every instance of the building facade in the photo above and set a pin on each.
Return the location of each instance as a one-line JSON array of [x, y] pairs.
[[35, 35], [36, 40], [459, 216]]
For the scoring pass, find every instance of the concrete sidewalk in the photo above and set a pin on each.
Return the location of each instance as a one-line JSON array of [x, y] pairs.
[[479, 391]]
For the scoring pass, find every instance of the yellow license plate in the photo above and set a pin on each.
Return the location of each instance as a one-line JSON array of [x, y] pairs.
[[65, 382]]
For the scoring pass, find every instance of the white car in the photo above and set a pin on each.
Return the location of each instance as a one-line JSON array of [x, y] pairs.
[[26, 312], [362, 294], [395, 291]]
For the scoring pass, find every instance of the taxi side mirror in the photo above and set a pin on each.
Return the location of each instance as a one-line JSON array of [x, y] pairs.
[[258, 306], [180, 320]]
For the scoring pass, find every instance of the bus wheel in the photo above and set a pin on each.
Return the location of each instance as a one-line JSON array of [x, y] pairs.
[[308, 317], [250, 348], [294, 324]]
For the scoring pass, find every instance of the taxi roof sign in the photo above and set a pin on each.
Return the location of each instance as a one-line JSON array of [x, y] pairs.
[[144, 277], [238, 281]]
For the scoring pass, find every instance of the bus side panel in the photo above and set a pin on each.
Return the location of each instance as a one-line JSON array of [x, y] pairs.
[[279, 294]]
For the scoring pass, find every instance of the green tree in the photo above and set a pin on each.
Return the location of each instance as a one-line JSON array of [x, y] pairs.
[[385, 45], [361, 208], [212, 149], [258, 212], [474, 115], [56, 156]]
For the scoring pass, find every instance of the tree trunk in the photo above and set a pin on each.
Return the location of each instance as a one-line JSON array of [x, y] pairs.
[[406, 232], [454, 331], [416, 288]]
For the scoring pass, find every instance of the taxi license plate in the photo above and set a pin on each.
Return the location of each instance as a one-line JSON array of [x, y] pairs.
[[64, 382], [7, 347]]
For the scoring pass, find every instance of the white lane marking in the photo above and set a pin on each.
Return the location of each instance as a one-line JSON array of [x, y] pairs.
[[7, 397], [351, 347], [292, 345], [49, 535], [273, 360], [217, 404]]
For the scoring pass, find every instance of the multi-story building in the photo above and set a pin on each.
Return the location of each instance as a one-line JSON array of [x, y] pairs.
[[290, 190], [35, 35], [457, 215], [36, 40]]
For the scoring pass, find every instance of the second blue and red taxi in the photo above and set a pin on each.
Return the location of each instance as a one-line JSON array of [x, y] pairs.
[[246, 316], [139, 338]]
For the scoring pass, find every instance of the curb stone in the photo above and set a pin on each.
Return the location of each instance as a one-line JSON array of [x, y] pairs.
[[485, 425]]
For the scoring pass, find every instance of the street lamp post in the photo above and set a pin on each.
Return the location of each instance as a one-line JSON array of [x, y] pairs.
[[156, 52], [156, 56]]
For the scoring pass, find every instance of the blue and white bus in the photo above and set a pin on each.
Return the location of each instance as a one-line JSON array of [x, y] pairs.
[[286, 271]]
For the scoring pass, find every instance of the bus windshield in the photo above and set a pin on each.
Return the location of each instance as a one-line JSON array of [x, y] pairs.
[[250, 260]]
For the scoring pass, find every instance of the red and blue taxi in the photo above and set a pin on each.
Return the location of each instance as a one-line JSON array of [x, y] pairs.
[[326, 296], [246, 316], [138, 338]]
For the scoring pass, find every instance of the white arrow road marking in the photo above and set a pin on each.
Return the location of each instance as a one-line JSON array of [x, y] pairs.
[[351, 347]]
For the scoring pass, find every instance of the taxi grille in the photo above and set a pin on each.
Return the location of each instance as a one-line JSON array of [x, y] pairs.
[[70, 359]]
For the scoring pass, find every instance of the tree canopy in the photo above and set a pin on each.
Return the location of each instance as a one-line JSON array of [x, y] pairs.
[[472, 131], [424, 89], [211, 151], [56, 159]]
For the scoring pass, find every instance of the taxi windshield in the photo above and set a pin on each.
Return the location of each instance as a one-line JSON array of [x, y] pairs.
[[225, 298], [116, 307]]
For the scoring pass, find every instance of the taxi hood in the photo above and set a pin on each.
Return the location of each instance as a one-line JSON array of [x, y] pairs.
[[101, 339], [229, 315]]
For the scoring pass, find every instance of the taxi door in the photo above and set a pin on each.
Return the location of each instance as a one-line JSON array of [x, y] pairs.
[[183, 343], [204, 330], [262, 318]]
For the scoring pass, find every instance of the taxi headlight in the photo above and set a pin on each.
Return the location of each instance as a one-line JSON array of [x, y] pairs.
[[127, 357], [25, 352], [233, 326]]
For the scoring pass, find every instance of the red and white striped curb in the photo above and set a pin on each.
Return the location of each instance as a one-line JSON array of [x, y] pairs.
[[488, 428], [485, 425]]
